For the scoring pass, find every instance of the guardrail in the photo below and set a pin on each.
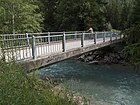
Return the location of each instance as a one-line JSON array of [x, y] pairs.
[[33, 45]]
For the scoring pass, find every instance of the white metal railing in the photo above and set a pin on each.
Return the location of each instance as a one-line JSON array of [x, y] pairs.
[[32, 45]]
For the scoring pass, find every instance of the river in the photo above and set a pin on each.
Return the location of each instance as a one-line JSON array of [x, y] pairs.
[[101, 84]]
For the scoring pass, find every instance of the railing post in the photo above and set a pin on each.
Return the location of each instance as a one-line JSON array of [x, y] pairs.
[[104, 35], [27, 36], [49, 38], [82, 39], [33, 47], [75, 35], [111, 36], [120, 35], [116, 35], [64, 42], [95, 37]]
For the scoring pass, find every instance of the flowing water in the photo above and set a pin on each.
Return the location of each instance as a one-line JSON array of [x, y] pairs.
[[101, 84]]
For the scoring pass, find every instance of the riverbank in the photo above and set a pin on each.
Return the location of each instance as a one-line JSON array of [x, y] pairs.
[[60, 90], [107, 55], [18, 88]]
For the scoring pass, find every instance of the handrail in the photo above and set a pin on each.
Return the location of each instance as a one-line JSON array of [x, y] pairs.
[[33, 45]]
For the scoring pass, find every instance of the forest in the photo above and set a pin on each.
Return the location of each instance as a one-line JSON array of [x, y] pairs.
[[26, 16], [34, 16]]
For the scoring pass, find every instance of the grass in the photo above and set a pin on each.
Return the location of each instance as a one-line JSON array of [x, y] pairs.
[[16, 88]]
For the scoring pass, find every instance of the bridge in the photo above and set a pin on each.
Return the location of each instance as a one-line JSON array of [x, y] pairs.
[[35, 50]]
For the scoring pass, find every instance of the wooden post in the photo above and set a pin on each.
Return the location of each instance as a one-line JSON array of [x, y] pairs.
[[64, 42]]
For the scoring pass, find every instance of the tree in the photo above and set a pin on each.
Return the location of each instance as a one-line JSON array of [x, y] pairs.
[[133, 33], [68, 15], [19, 16], [30, 19], [118, 13], [48, 7], [133, 36], [136, 13]]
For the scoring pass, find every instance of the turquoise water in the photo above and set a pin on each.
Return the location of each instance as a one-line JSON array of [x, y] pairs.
[[101, 84]]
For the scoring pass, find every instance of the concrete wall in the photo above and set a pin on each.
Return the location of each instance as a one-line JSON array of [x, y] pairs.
[[47, 60]]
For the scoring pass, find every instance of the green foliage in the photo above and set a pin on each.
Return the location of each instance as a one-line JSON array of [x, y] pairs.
[[16, 88], [133, 36], [118, 13], [132, 53], [136, 13], [62, 15], [48, 7], [19, 16]]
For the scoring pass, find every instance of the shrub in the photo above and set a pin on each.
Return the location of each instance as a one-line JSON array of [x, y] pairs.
[[16, 88]]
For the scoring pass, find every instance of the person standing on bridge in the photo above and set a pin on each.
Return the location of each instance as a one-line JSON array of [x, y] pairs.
[[92, 33], [90, 30]]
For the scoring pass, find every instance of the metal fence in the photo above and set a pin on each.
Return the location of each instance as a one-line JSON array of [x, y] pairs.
[[33, 45]]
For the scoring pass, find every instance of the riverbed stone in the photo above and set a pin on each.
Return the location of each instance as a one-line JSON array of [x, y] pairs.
[[110, 55]]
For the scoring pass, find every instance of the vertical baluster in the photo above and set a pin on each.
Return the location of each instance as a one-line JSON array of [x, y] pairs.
[[82, 39], [95, 38], [111, 36], [104, 35], [33, 47], [49, 38], [29, 48], [120, 35], [40, 45], [64, 42], [27, 36], [75, 35], [116, 35]]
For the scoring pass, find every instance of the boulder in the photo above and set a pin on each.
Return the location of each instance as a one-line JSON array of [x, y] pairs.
[[94, 62]]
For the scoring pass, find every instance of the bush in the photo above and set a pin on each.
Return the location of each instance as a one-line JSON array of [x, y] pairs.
[[131, 52], [16, 88], [133, 34]]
